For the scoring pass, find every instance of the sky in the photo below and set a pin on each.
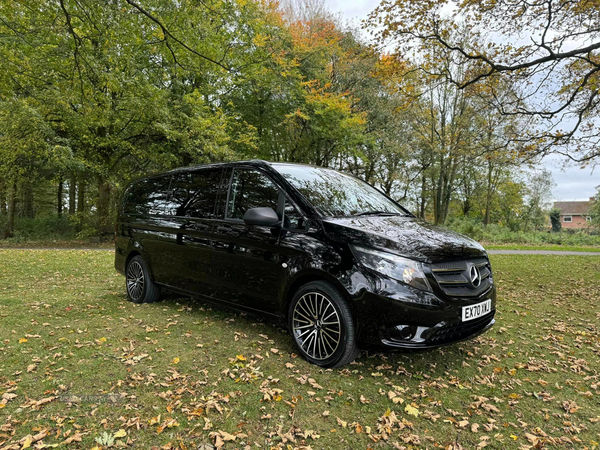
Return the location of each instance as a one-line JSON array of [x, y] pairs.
[[572, 183]]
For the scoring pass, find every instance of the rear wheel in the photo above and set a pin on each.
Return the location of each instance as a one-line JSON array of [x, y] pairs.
[[321, 323], [139, 284]]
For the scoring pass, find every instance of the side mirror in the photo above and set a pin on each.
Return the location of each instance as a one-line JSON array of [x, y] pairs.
[[264, 217]]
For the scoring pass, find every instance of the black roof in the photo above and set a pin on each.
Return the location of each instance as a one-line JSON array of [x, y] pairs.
[[255, 162]]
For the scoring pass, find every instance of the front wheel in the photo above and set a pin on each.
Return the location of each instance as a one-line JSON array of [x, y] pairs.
[[140, 287], [321, 323]]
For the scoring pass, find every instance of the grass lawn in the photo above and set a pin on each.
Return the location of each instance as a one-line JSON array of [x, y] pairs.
[[79, 364], [570, 248], [56, 243]]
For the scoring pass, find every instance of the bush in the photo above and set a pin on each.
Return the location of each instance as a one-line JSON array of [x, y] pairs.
[[42, 228], [495, 234], [555, 219]]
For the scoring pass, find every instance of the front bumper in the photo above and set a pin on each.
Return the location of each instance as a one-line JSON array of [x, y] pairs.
[[393, 318]]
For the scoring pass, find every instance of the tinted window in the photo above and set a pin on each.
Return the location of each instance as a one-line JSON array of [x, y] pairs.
[[250, 189], [194, 193], [148, 197], [336, 194]]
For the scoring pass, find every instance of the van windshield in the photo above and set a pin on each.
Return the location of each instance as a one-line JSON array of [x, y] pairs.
[[335, 194]]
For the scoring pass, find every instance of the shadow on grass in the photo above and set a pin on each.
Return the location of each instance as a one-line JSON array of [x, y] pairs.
[[435, 362]]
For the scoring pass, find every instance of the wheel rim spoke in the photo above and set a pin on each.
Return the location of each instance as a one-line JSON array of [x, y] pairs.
[[304, 333], [305, 317], [135, 280], [316, 325]]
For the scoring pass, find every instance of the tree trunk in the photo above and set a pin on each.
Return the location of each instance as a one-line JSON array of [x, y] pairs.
[[59, 197], [72, 193], [81, 195], [466, 206], [28, 200], [488, 197], [10, 223], [81, 201], [2, 197], [422, 206], [103, 204]]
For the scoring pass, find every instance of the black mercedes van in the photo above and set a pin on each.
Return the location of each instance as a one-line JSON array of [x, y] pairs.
[[339, 262]]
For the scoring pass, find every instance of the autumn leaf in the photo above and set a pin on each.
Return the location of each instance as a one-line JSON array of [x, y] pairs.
[[411, 410], [27, 442]]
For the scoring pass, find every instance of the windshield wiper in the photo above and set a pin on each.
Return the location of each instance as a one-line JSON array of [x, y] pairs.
[[376, 213]]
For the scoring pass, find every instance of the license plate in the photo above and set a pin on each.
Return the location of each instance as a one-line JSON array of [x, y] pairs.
[[474, 311]]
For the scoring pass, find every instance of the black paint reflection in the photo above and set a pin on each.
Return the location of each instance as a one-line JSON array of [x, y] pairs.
[[335, 194]]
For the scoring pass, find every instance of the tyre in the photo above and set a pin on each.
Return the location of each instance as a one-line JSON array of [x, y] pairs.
[[139, 284], [321, 324]]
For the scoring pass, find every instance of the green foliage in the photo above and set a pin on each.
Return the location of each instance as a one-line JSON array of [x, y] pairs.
[[595, 210], [42, 228], [95, 94], [555, 220], [495, 234]]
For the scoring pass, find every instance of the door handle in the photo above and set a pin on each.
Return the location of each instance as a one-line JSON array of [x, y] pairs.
[[224, 229]]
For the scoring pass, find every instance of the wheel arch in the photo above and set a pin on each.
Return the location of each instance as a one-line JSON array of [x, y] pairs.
[[138, 251], [132, 254], [305, 277], [135, 248]]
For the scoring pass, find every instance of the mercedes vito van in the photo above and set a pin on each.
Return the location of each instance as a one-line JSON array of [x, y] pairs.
[[337, 261]]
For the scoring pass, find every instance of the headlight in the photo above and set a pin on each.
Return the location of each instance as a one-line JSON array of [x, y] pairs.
[[396, 267]]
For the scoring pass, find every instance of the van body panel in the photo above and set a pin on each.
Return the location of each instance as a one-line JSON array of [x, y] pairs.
[[407, 236], [187, 248]]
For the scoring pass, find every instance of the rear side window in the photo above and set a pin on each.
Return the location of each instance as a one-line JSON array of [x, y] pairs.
[[195, 194], [250, 189], [148, 197]]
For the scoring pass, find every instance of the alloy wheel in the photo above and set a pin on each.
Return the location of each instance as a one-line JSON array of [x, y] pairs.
[[135, 280], [316, 325]]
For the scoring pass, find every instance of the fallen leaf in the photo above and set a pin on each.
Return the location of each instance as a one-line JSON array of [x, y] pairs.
[[411, 410]]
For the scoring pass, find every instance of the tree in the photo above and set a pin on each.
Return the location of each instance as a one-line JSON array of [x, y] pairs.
[[555, 220], [125, 94], [539, 193], [28, 147], [595, 209], [556, 69]]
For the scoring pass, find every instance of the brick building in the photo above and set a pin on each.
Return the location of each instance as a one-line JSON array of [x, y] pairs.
[[575, 214]]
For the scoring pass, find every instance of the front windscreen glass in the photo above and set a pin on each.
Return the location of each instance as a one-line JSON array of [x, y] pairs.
[[335, 194]]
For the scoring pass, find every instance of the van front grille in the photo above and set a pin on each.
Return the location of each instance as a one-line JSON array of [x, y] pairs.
[[464, 278]]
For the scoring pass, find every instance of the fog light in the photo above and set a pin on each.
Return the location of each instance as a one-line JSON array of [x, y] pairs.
[[406, 331]]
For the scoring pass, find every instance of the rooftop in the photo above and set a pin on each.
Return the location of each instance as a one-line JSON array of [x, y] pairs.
[[580, 207]]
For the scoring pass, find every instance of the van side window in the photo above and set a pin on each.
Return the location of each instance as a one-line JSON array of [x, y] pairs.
[[194, 194], [148, 197], [250, 189]]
